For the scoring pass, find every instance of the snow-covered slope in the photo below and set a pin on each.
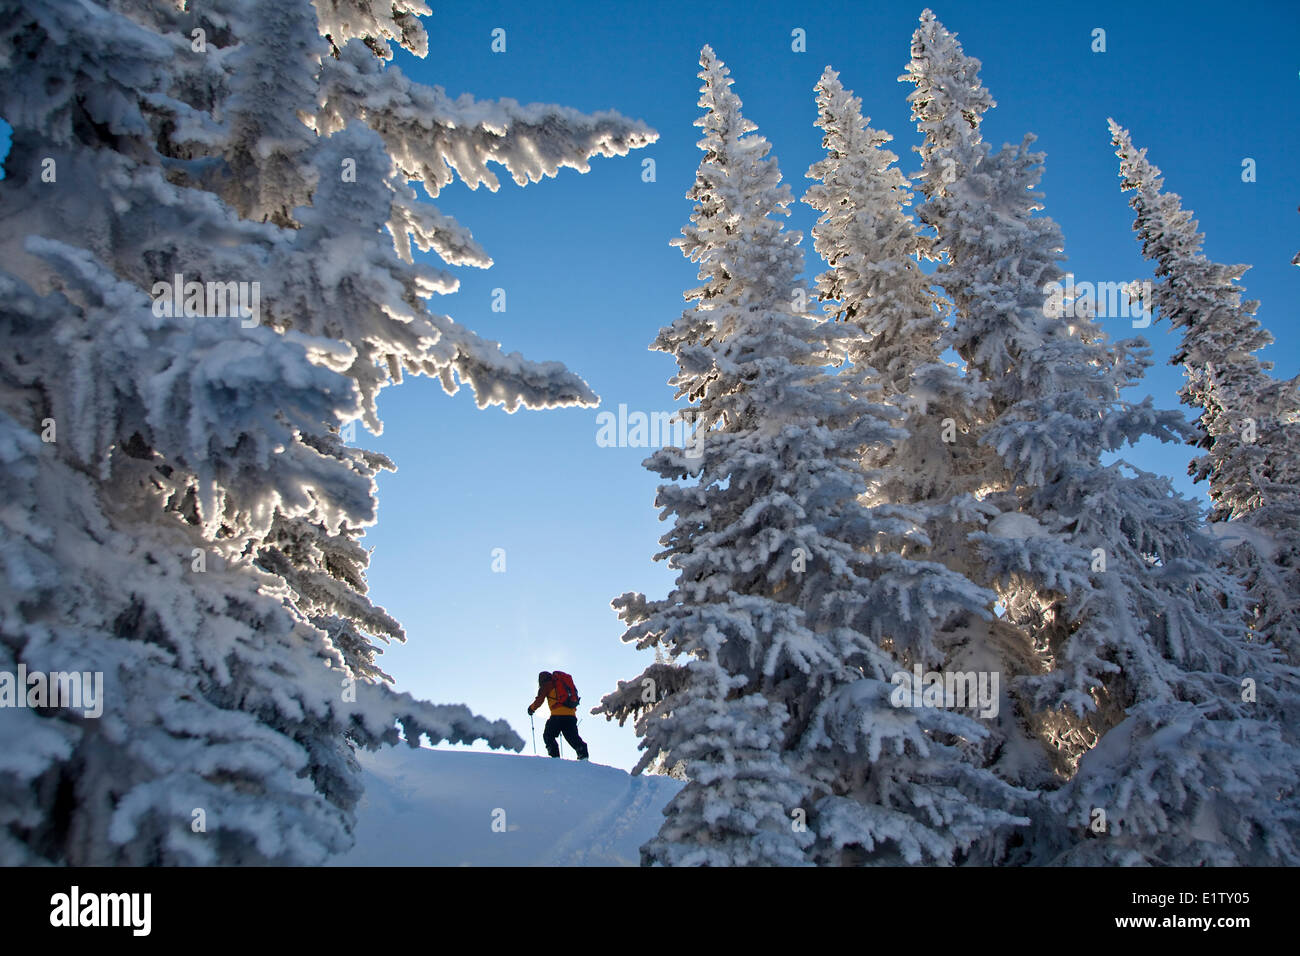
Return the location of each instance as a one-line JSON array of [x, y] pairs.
[[437, 808]]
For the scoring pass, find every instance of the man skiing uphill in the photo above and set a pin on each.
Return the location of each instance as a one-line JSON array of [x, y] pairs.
[[558, 690]]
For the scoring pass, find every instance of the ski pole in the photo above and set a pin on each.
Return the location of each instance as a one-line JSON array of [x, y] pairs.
[[534, 726]]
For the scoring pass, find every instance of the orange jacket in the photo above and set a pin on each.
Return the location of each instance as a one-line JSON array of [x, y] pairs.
[[550, 693]]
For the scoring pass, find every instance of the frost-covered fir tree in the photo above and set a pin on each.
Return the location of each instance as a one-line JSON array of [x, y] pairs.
[[894, 335], [1249, 421], [793, 607], [978, 203], [871, 244], [948, 103], [1105, 568], [207, 278], [875, 285]]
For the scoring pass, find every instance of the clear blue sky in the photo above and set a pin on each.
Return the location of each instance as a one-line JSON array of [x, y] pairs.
[[590, 278]]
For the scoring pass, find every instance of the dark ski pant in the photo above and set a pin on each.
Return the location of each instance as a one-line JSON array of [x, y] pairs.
[[567, 725]]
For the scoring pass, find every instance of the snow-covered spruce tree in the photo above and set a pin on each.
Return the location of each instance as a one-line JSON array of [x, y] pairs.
[[1249, 421], [973, 486], [893, 338], [180, 511], [792, 607], [1105, 568], [875, 285]]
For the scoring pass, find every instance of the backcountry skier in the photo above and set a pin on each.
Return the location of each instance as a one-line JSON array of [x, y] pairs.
[[558, 690]]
